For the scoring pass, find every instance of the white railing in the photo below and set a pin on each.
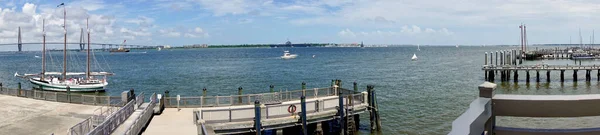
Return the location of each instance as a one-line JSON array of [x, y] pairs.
[[113, 121], [241, 113], [248, 99], [141, 121]]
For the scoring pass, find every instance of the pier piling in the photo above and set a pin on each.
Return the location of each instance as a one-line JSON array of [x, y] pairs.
[[548, 76], [303, 89], [257, 117], [3, 90], [19, 89], [562, 75], [68, 93], [240, 93], [303, 114], [516, 76], [575, 75], [597, 76], [527, 75], [537, 75], [491, 76], [341, 110], [167, 100], [271, 88], [588, 75], [355, 87]]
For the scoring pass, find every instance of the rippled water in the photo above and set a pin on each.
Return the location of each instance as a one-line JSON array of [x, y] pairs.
[[415, 97]]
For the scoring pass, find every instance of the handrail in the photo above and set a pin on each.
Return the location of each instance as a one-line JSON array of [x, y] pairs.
[[248, 99], [59, 96], [141, 120], [114, 120], [318, 105]]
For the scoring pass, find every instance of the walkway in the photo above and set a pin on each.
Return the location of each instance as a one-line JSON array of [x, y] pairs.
[[24, 116], [170, 119]]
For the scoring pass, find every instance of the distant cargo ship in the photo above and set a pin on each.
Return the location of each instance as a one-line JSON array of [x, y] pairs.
[[120, 49]]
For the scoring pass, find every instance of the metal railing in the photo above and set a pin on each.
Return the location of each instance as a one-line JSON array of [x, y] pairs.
[[141, 121], [62, 97], [237, 114], [113, 121], [82, 128], [248, 99]]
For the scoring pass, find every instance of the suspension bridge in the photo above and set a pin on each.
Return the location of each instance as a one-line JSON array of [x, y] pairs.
[[82, 43]]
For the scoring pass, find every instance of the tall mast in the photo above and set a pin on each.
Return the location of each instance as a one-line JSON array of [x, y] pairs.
[[64, 73], [522, 40], [43, 49], [580, 39], [525, 37], [87, 74]]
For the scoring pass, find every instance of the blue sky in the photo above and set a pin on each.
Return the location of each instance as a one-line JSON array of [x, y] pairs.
[[165, 22]]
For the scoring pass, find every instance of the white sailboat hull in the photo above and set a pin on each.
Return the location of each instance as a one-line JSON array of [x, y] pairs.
[[414, 57], [54, 86]]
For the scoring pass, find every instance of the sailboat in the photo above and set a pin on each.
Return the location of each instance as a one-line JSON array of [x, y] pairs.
[[48, 81], [414, 57]]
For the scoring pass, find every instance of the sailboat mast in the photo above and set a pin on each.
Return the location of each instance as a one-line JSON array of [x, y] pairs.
[[87, 74], [64, 73], [43, 49], [580, 39]]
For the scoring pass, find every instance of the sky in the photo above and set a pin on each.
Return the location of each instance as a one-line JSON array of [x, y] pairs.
[[183, 22]]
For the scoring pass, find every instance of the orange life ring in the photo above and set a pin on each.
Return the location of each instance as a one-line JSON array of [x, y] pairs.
[[291, 108]]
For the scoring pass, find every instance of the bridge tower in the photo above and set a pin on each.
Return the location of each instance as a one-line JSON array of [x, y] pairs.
[[19, 42], [81, 41]]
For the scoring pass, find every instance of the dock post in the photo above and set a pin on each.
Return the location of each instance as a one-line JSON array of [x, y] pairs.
[[562, 75], [491, 58], [341, 111], [1, 90], [496, 58], [588, 75], [547, 75], [377, 119], [486, 59], [240, 95], [508, 75], [575, 75], [167, 100], [490, 76], [370, 108], [19, 89], [303, 89], [502, 76], [69, 94], [598, 77], [271, 88], [355, 87], [203, 97], [257, 122], [303, 114], [537, 75], [516, 77], [527, 76]]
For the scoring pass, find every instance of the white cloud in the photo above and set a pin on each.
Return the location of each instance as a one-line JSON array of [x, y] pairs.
[[142, 21], [234, 7], [29, 9], [198, 30], [90, 5], [346, 33], [170, 32], [245, 21]]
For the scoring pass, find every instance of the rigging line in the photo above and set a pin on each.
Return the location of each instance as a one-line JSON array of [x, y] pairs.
[[106, 62], [96, 63]]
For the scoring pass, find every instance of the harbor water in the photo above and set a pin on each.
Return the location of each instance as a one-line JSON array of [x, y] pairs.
[[415, 97]]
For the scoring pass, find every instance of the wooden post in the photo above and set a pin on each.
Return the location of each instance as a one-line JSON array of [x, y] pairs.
[[303, 114], [537, 76], [69, 94], [341, 111], [588, 75], [303, 89], [19, 89], [240, 95], [2, 90], [203, 97], [548, 76], [355, 87], [575, 75], [257, 117], [527, 75], [562, 75], [271, 88], [167, 100], [516, 77]]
